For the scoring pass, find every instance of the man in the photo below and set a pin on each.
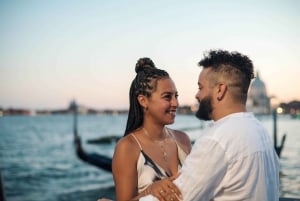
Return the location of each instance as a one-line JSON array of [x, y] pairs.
[[234, 158]]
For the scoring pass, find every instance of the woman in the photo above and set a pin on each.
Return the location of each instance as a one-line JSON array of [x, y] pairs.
[[149, 151]]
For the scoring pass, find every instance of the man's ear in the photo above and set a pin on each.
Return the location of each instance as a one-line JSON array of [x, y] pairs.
[[221, 91], [143, 100]]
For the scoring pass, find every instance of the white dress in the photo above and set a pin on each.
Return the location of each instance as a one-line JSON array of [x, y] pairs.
[[149, 171]]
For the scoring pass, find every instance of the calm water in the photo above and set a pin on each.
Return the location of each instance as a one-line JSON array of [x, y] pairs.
[[38, 162]]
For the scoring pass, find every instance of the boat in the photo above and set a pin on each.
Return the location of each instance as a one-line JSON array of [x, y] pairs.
[[98, 160]]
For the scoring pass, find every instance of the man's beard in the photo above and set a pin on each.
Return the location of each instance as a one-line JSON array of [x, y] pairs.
[[205, 109]]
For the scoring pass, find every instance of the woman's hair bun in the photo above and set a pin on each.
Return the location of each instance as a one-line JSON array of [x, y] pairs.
[[143, 64]]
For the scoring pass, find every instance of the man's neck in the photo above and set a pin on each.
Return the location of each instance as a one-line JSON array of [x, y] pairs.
[[219, 113]]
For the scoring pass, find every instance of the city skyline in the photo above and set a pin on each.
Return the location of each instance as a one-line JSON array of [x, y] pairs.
[[53, 52]]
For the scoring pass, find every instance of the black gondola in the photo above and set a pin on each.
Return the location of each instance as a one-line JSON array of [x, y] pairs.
[[98, 160]]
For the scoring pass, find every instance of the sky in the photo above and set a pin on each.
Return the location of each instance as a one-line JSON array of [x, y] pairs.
[[52, 52]]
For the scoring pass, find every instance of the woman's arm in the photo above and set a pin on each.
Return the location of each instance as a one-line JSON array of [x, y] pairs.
[[124, 169]]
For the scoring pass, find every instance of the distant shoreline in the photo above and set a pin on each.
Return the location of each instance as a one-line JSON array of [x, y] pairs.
[[292, 108], [81, 110]]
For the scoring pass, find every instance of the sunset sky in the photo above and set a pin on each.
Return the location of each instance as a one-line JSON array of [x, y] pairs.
[[54, 51]]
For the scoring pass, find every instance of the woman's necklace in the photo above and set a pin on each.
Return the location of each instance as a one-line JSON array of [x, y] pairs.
[[161, 143]]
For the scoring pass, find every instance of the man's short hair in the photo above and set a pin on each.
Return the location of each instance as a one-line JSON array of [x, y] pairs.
[[233, 67]]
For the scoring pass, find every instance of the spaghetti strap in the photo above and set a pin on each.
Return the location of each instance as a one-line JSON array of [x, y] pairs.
[[180, 152], [137, 141], [170, 133]]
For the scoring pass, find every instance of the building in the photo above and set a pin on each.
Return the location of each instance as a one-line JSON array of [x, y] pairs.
[[258, 100]]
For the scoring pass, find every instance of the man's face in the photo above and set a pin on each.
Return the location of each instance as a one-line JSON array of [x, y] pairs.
[[205, 109], [204, 96]]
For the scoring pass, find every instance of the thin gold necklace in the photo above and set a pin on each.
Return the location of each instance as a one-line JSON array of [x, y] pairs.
[[161, 143]]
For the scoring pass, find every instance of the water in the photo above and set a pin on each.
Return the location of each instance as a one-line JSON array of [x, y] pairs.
[[38, 161]]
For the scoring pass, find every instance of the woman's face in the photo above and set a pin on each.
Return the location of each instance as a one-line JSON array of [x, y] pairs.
[[163, 102]]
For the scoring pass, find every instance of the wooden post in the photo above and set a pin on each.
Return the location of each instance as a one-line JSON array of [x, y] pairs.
[[275, 127], [279, 148], [2, 193]]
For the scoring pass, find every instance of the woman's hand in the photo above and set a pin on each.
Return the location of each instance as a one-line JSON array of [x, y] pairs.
[[165, 190]]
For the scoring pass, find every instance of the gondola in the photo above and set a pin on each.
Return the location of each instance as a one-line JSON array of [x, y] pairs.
[[96, 159]]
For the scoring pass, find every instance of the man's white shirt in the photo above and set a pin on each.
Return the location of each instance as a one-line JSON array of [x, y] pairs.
[[233, 159]]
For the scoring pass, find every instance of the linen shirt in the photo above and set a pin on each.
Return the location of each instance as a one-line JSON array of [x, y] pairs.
[[234, 159]]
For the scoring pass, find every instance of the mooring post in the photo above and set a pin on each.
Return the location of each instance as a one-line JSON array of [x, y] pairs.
[[2, 193], [275, 128], [279, 148], [73, 107]]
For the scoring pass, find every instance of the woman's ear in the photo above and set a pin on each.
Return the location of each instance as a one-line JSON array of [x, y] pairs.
[[142, 100]]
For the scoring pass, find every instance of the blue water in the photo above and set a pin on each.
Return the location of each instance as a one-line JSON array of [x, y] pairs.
[[38, 161]]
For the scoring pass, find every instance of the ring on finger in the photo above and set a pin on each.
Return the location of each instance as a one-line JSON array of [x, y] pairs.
[[161, 191]]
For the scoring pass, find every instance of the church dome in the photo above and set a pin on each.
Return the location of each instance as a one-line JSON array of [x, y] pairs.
[[258, 100], [257, 88]]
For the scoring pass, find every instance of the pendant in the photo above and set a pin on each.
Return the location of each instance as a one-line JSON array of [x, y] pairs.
[[165, 156], [163, 149]]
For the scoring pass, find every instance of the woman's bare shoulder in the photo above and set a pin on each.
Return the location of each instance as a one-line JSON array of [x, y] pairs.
[[183, 139], [180, 135], [127, 145]]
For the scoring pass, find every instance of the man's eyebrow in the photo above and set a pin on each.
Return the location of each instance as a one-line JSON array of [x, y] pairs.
[[169, 92]]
